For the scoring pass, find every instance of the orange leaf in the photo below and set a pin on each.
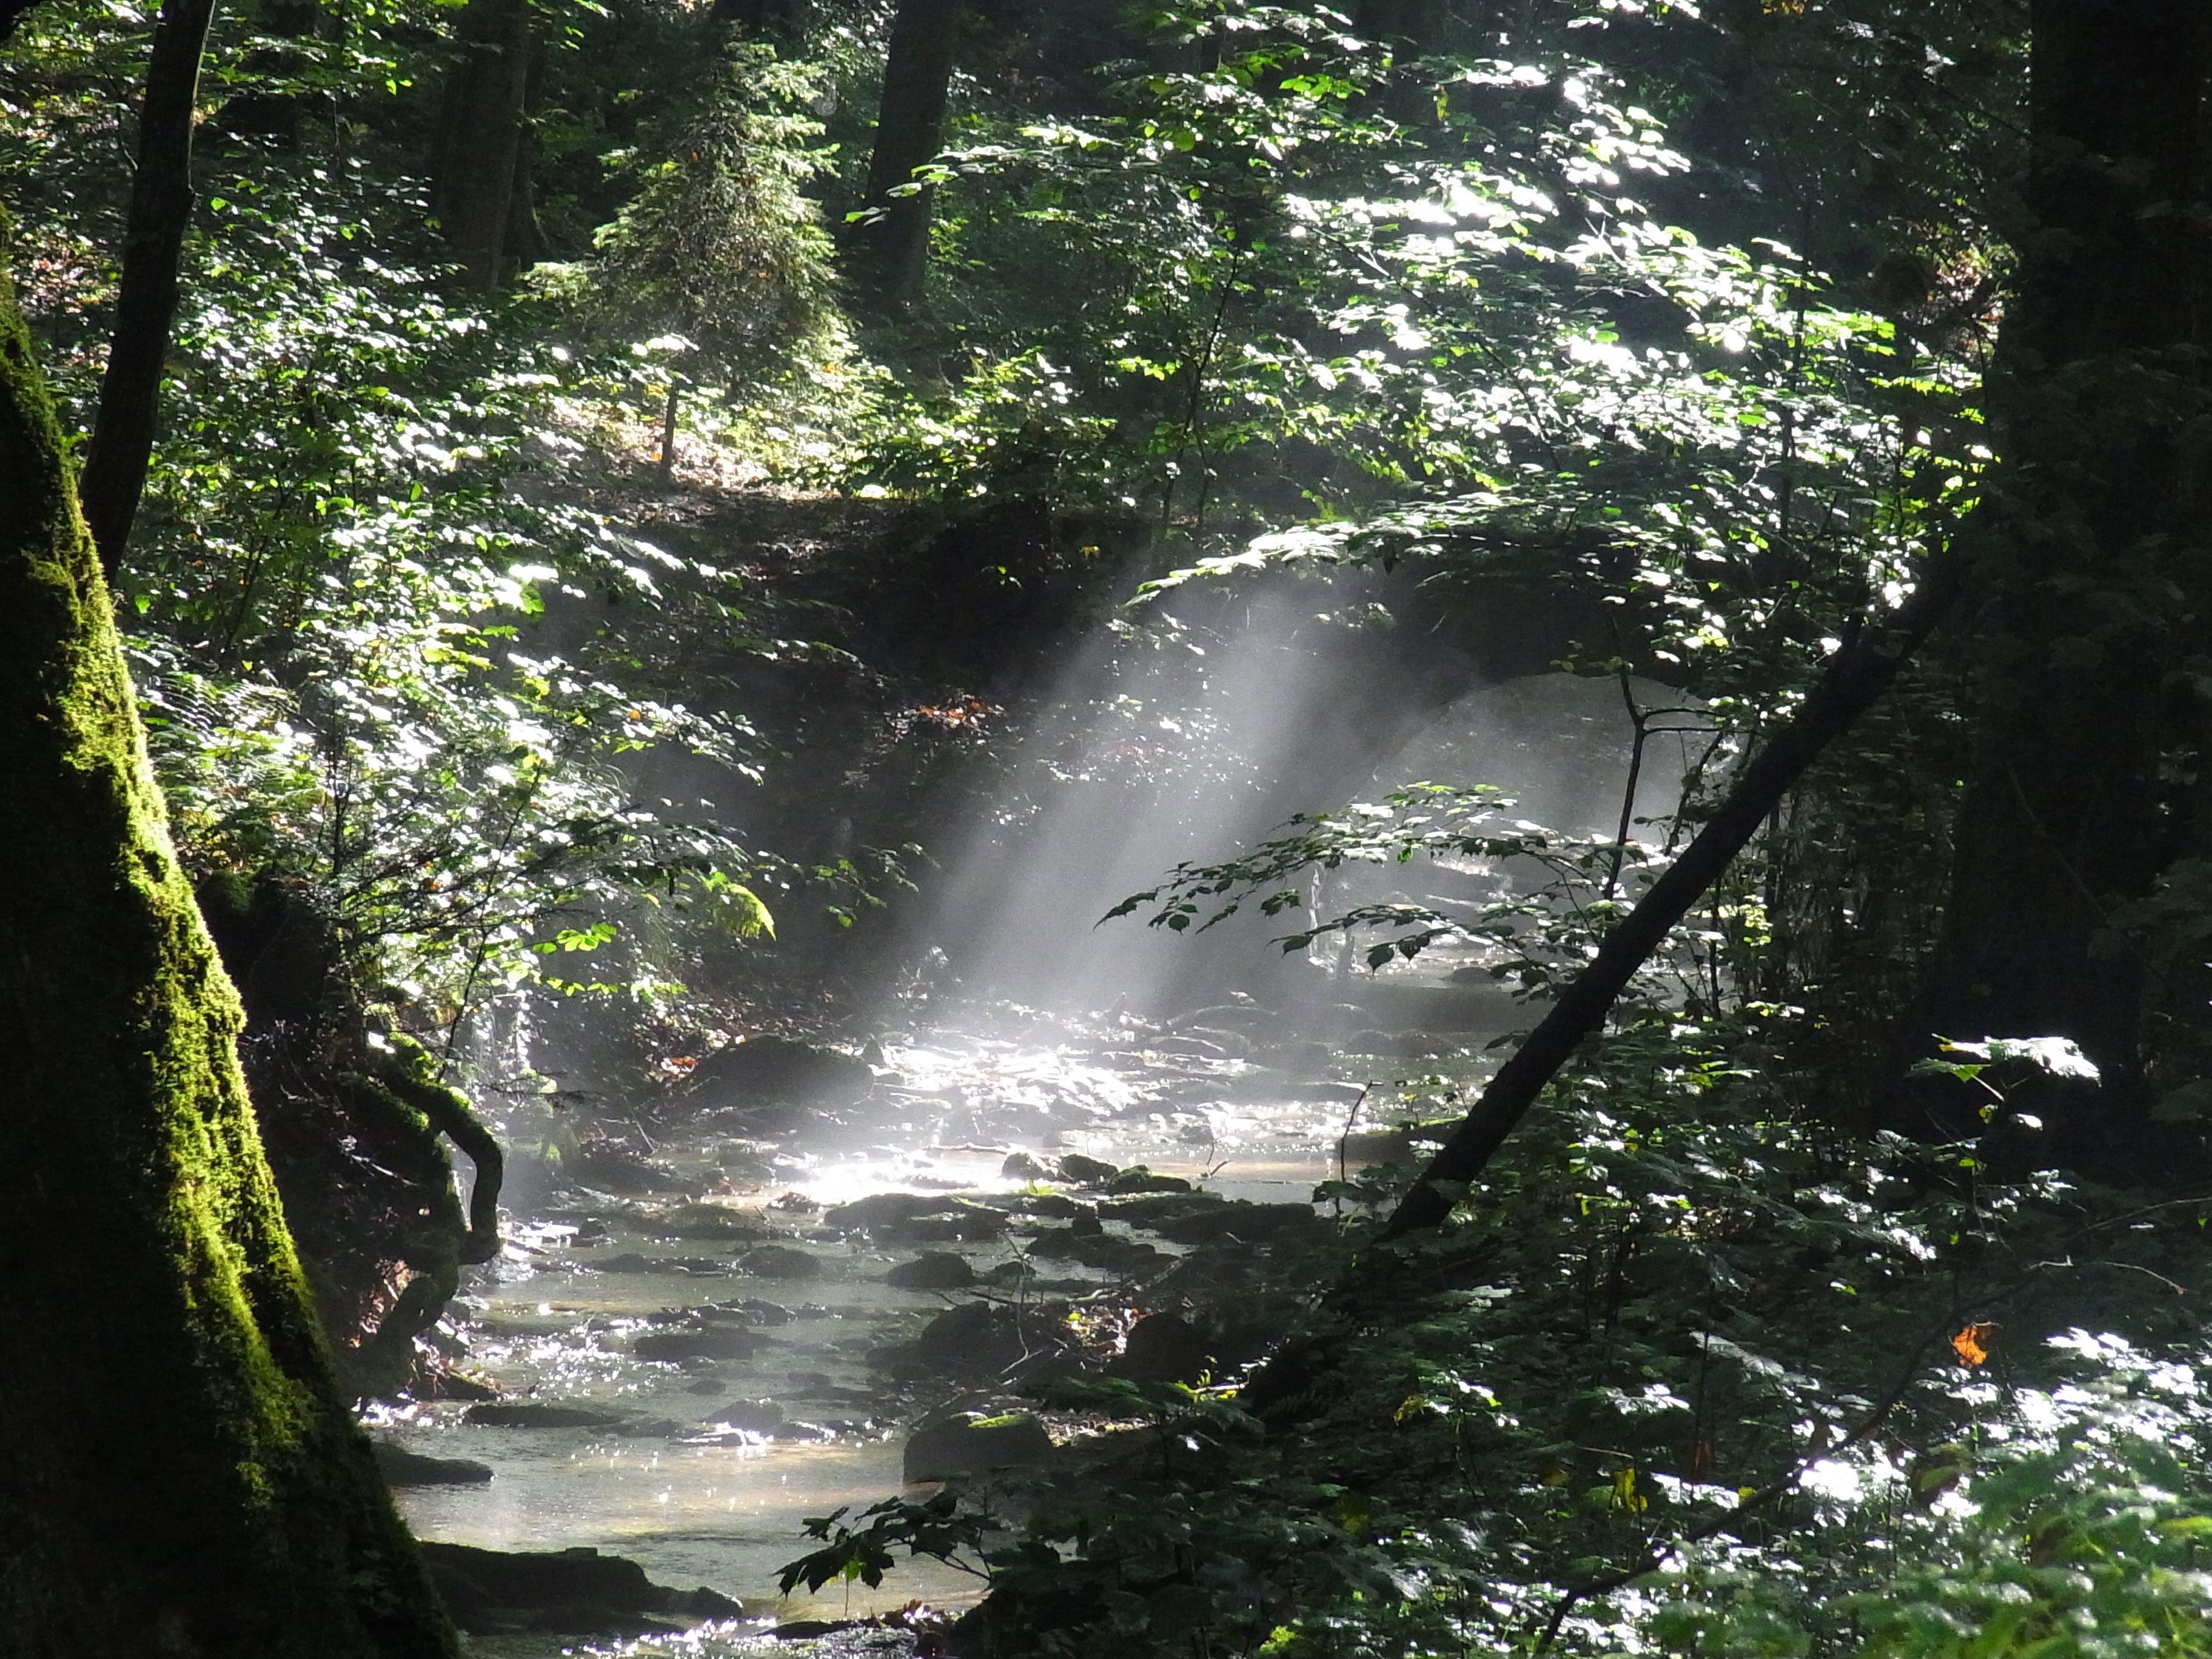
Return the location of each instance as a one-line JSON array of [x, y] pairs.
[[1972, 1345]]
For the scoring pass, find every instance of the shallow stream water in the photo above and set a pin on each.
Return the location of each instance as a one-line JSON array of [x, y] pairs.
[[666, 1480]]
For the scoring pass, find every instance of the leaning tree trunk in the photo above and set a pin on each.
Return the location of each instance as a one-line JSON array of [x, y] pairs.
[[480, 138], [910, 131], [179, 1476], [146, 303], [2097, 588]]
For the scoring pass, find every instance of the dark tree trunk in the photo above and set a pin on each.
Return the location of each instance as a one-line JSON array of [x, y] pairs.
[[2096, 567], [182, 1478], [480, 137], [910, 131], [146, 304]]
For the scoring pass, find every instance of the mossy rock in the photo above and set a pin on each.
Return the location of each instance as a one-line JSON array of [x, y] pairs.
[[967, 1447]]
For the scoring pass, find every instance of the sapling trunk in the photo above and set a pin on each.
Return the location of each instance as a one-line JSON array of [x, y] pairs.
[[146, 301], [1858, 674]]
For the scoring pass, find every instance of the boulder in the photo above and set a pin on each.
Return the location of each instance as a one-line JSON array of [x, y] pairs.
[[1252, 1223], [917, 1218], [779, 1069], [1139, 1179], [1020, 1166], [781, 1261], [957, 1223], [880, 1211], [673, 1347], [1113, 1253], [971, 1446], [1152, 1210], [973, 1336], [577, 1591], [403, 1468], [700, 1221], [1163, 1348], [932, 1271], [1080, 1171]]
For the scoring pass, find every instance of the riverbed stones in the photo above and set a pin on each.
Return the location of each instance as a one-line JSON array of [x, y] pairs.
[[1077, 1170], [932, 1271], [969, 1446]]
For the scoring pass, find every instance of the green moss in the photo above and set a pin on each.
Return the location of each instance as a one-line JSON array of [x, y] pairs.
[[179, 1476]]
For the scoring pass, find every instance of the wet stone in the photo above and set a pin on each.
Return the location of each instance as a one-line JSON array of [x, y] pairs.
[[882, 1211], [759, 1311], [402, 1468], [524, 1415], [631, 1262], [970, 1446], [753, 1416], [1139, 1179], [975, 1334], [967, 1224], [700, 1221], [932, 1271], [1252, 1223], [1079, 1170], [780, 1262], [1107, 1252], [776, 1068], [1020, 1166], [578, 1591], [675, 1346]]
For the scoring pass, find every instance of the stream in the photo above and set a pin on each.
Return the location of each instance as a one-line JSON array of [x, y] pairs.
[[686, 1374]]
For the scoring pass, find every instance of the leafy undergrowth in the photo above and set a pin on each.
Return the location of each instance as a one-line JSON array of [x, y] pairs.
[[1691, 1377]]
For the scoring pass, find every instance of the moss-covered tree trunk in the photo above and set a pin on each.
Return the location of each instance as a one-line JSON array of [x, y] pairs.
[[178, 1476]]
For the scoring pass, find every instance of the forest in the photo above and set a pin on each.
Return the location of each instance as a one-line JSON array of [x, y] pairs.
[[1105, 828]]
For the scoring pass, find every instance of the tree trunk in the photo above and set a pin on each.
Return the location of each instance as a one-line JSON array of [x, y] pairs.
[[910, 131], [480, 141], [146, 304], [2097, 571], [181, 1478]]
